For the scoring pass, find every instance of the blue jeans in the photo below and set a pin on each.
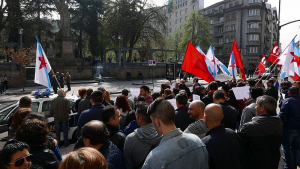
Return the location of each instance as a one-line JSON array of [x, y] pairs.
[[65, 128], [290, 145]]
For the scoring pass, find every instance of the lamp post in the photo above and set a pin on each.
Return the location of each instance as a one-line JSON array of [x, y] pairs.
[[21, 33], [119, 53]]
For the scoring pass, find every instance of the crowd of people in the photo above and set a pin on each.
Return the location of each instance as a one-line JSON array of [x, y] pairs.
[[216, 131], [59, 80]]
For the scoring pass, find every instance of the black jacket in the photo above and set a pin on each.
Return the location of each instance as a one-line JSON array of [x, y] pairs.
[[44, 158], [182, 118], [261, 142], [224, 148], [116, 137], [207, 99], [273, 92], [230, 116]]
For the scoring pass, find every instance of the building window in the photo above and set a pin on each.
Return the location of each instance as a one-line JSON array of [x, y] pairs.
[[220, 30], [233, 15], [236, 3], [211, 21], [176, 14], [170, 30], [180, 27], [253, 50], [170, 16], [220, 8], [180, 20], [253, 37], [221, 19], [227, 17], [194, 7], [233, 27], [254, 1], [170, 23], [227, 40], [176, 21], [221, 41], [254, 25], [180, 12], [230, 5], [209, 11], [231, 38], [210, 31], [186, 10], [254, 12], [186, 18], [227, 28]]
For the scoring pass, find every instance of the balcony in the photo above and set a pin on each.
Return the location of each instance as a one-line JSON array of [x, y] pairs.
[[218, 34], [255, 4], [219, 54], [217, 12], [254, 30], [218, 23], [254, 18], [253, 43], [219, 44]]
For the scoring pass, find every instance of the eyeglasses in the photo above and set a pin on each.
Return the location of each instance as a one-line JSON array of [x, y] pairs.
[[20, 161]]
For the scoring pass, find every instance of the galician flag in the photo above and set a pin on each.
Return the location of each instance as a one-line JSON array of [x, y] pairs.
[[222, 67], [232, 66], [288, 68], [42, 67], [207, 61], [211, 57]]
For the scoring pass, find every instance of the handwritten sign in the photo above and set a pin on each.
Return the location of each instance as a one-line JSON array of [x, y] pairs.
[[173, 102], [135, 92], [196, 97], [241, 92]]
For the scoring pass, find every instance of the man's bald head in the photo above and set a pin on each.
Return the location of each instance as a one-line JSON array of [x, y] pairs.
[[96, 131], [198, 104], [196, 109], [214, 113]]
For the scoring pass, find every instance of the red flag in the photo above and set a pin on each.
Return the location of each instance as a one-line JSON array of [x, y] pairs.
[[261, 66], [194, 63], [274, 54], [238, 59]]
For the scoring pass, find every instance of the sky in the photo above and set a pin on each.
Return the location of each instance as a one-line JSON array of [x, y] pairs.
[[290, 11]]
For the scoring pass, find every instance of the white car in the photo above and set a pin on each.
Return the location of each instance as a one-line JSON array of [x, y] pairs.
[[267, 74], [42, 105]]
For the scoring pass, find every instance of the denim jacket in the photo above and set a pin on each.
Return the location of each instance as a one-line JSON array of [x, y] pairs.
[[178, 150]]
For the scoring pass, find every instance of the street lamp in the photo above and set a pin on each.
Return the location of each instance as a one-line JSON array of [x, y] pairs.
[[119, 53], [21, 33]]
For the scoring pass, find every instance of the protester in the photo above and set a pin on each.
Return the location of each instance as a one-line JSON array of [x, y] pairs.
[[144, 139], [145, 91], [108, 99], [223, 144], [124, 108], [175, 143], [262, 136], [61, 80], [82, 93], [54, 84], [182, 118], [168, 94], [111, 118], [35, 133], [229, 113], [96, 135], [125, 93], [15, 154], [17, 119], [84, 158], [104, 102], [175, 91], [213, 86], [196, 111], [60, 110], [195, 84], [94, 113], [85, 103], [289, 114], [68, 81], [4, 82], [271, 90]]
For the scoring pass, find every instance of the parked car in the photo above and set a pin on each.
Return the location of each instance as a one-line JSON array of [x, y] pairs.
[[267, 74], [42, 105]]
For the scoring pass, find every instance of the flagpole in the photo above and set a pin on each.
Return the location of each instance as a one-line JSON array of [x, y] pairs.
[[51, 69], [277, 59]]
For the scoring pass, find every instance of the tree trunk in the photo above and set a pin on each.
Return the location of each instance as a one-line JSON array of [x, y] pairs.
[[21, 76]]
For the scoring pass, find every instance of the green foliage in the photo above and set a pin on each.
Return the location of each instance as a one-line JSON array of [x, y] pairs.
[[196, 30]]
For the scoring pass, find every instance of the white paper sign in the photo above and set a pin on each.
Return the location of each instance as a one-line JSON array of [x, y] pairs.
[[173, 102], [135, 92], [283, 96], [156, 89], [196, 97], [241, 92]]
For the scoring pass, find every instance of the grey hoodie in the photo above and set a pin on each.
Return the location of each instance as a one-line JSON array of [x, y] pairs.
[[138, 145]]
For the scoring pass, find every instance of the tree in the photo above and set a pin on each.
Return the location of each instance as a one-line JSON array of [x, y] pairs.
[[196, 30], [134, 22], [21, 58], [14, 20], [3, 8]]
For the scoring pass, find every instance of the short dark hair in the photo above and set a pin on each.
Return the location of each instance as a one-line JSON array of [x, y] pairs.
[[213, 85], [34, 132], [101, 89], [163, 86], [146, 88], [125, 92], [181, 98], [268, 102], [219, 94], [142, 111], [294, 90], [195, 80], [219, 83], [240, 84], [98, 134], [97, 96], [9, 149], [155, 95], [89, 92], [251, 82], [25, 102], [163, 110], [175, 91], [108, 113], [256, 92]]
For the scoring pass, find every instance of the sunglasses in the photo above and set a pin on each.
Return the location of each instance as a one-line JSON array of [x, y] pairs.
[[20, 161]]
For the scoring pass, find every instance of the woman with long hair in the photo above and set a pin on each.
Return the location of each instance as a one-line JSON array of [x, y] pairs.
[[124, 107]]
